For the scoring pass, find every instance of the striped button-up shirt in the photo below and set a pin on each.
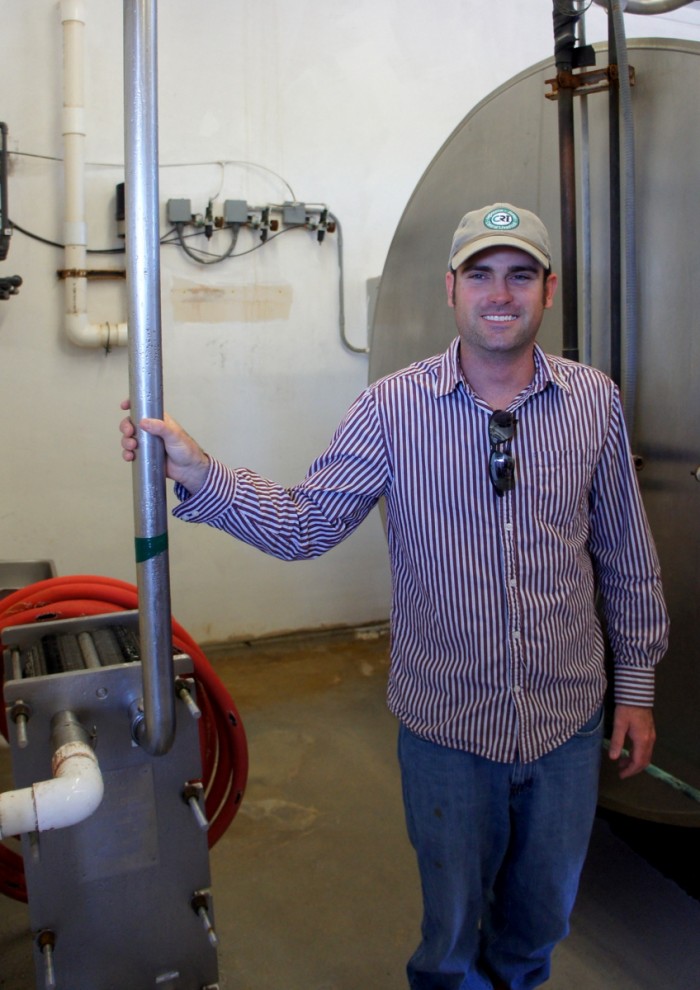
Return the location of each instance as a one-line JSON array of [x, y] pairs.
[[496, 638]]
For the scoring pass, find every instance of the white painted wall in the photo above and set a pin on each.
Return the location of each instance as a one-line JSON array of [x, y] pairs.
[[348, 103]]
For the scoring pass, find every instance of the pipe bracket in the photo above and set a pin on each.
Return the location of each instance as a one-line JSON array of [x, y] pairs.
[[585, 83], [91, 273]]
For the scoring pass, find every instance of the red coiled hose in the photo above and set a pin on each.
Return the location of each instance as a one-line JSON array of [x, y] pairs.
[[222, 737]]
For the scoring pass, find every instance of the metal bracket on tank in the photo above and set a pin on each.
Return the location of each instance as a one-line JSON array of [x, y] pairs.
[[585, 83]]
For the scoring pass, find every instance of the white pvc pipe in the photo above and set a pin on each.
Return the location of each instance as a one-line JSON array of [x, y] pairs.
[[71, 796], [78, 329], [85, 334]]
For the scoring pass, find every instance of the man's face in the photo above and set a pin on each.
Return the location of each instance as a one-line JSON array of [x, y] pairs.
[[499, 297]]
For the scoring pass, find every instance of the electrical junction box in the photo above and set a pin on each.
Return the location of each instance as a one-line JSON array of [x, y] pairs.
[[294, 213], [235, 211], [179, 211]]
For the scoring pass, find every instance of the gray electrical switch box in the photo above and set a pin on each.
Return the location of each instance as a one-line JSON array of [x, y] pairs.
[[179, 211], [235, 211], [294, 213]]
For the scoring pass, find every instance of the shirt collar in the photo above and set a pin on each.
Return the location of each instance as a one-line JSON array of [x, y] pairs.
[[548, 370], [449, 371]]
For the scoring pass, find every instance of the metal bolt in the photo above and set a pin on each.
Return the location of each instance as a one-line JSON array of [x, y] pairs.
[[200, 905], [182, 691], [19, 713], [46, 941], [193, 794]]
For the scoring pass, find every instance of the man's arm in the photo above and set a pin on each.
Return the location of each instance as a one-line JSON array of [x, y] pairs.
[[292, 523], [629, 583]]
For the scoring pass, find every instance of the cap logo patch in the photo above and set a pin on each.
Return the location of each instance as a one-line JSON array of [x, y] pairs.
[[501, 219]]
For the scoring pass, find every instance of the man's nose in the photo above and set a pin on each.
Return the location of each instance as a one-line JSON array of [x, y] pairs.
[[500, 290]]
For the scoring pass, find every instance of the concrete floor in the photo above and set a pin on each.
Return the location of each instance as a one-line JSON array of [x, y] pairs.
[[314, 884]]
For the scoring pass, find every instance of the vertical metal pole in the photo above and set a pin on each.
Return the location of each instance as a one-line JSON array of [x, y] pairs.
[[156, 731], [564, 43], [615, 208]]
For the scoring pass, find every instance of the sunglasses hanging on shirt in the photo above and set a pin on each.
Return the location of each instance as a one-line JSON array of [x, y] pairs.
[[501, 461]]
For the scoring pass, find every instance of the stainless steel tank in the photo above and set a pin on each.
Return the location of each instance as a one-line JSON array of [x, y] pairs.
[[507, 149]]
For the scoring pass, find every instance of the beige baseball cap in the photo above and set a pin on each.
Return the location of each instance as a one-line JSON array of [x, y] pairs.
[[500, 225]]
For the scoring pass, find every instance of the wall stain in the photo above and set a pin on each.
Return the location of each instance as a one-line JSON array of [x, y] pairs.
[[256, 303]]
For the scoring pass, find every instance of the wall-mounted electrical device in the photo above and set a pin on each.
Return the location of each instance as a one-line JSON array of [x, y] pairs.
[[237, 213], [9, 284]]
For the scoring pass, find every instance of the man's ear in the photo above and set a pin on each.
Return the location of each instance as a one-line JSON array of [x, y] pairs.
[[450, 288], [550, 287]]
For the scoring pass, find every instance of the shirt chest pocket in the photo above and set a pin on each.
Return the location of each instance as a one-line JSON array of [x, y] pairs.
[[563, 480]]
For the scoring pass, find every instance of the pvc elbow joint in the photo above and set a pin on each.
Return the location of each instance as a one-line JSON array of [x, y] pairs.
[[85, 334], [71, 796], [74, 793]]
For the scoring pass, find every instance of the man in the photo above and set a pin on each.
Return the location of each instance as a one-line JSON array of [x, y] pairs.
[[511, 504]]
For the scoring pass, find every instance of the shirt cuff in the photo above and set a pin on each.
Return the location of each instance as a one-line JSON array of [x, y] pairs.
[[634, 686], [215, 495]]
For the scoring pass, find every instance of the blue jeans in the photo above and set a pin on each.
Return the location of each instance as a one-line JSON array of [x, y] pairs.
[[500, 849]]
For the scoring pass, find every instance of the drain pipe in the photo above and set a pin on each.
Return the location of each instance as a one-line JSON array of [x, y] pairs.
[[78, 329], [72, 795], [156, 729], [564, 43]]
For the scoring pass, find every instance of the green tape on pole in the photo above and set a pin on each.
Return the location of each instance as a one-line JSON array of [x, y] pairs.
[[150, 546]]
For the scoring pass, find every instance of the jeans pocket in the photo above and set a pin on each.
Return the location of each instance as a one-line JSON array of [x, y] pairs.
[[593, 726]]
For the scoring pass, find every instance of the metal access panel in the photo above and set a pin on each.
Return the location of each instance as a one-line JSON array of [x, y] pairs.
[[118, 893]]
